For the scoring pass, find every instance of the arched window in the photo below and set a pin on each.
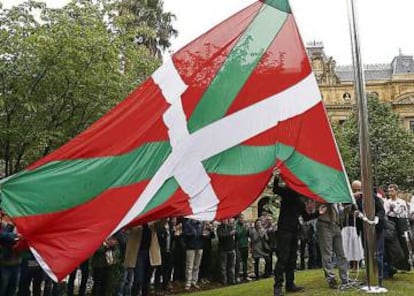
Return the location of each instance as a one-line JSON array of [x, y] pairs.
[[261, 205]]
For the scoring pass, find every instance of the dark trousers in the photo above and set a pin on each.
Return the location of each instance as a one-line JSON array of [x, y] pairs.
[[179, 262], [30, 274], [271, 269], [304, 243], [241, 259], [256, 266], [206, 264], [314, 260], [286, 258], [103, 278], [9, 280], [142, 274], [164, 271], [227, 266], [402, 226], [380, 255], [84, 267], [269, 264]]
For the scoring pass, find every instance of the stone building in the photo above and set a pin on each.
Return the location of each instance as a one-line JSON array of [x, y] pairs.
[[392, 83]]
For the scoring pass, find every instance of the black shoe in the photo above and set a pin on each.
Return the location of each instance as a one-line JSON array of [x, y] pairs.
[[294, 288], [277, 291], [332, 284]]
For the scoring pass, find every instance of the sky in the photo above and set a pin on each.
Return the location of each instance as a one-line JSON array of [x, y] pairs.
[[385, 29]]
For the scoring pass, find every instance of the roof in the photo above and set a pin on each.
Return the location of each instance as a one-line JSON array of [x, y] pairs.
[[372, 72]]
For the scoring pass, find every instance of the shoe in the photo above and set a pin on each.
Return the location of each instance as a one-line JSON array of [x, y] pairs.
[[187, 288], [277, 291], [332, 284], [195, 286], [294, 288], [346, 282]]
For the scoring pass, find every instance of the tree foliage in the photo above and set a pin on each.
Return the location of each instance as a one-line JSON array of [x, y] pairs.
[[150, 13], [62, 69], [392, 147]]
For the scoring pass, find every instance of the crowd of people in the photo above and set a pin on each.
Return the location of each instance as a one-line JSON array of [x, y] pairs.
[[156, 256]]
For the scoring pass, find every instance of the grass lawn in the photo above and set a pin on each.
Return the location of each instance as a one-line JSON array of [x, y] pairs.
[[313, 281]]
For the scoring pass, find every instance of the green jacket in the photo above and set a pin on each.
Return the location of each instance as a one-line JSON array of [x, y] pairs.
[[242, 235]]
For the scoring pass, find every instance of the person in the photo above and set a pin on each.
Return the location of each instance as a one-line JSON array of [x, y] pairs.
[[411, 214], [226, 233], [32, 276], [193, 237], [165, 270], [133, 236], [396, 209], [330, 242], [379, 227], [103, 267], [259, 245], [10, 259], [178, 251], [271, 231], [242, 248], [84, 267], [292, 206], [148, 255], [305, 236], [206, 265], [314, 260]]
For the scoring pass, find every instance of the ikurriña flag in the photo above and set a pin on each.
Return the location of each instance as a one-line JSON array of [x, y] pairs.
[[199, 138]]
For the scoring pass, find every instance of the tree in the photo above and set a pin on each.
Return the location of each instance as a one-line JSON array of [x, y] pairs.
[[150, 13], [392, 147], [60, 72]]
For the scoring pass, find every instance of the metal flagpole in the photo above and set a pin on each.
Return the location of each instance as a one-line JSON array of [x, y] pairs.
[[366, 172]]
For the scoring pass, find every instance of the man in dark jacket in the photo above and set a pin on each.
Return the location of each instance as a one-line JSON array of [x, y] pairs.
[[242, 247], [292, 206], [226, 234], [193, 236]]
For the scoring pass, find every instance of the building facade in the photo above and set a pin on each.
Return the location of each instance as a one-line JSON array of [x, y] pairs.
[[392, 83]]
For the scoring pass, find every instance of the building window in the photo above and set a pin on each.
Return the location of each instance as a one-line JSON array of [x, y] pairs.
[[412, 125]]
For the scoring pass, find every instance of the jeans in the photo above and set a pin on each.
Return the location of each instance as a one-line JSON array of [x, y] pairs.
[[127, 282], [227, 266]]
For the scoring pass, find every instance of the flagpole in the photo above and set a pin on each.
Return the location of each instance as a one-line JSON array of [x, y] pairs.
[[365, 157]]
